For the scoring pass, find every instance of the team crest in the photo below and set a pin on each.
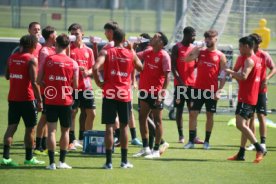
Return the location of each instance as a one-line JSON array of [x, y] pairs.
[[157, 59], [215, 58], [86, 55], [50, 63]]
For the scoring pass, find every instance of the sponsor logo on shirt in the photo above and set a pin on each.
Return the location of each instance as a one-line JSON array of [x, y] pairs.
[[57, 78], [118, 73], [16, 76]]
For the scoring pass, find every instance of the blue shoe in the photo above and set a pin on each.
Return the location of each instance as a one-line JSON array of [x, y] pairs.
[[206, 146], [136, 141], [107, 166]]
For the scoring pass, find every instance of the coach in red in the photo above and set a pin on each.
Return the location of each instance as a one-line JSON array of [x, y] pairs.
[[59, 74], [22, 73]]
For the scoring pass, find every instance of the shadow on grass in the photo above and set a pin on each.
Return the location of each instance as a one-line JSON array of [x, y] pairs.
[[23, 167]]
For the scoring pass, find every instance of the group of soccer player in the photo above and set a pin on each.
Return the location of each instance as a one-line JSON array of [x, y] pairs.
[[56, 79]]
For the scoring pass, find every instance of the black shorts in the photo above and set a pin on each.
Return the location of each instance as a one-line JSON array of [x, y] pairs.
[[150, 100], [27, 110], [200, 97], [84, 99], [260, 108], [182, 94], [245, 110], [61, 113], [111, 108]]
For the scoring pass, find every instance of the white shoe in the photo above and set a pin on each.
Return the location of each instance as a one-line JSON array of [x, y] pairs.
[[163, 147], [264, 146], [77, 143], [251, 147], [190, 145], [51, 167], [126, 165], [63, 166], [154, 154], [107, 166], [143, 152]]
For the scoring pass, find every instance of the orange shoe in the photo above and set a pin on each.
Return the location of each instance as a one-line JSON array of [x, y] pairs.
[[259, 157], [236, 158], [71, 147]]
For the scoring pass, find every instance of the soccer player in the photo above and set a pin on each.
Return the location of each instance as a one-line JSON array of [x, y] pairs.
[[184, 77], [84, 98], [49, 34], [210, 63], [22, 73], [118, 64], [35, 30], [59, 73], [154, 80], [261, 109], [109, 28], [249, 84]]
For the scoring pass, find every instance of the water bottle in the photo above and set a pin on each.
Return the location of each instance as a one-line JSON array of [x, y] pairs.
[[95, 39], [41, 39], [199, 43], [72, 38]]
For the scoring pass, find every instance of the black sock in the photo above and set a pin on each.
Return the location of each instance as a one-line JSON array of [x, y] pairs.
[[145, 143], [192, 135], [29, 153], [180, 132], [6, 152], [72, 136], [162, 141], [207, 136], [44, 143], [263, 140], [124, 155], [117, 133], [81, 135], [156, 147], [151, 141], [241, 152], [108, 154], [51, 155], [62, 155], [258, 147], [133, 133], [38, 143]]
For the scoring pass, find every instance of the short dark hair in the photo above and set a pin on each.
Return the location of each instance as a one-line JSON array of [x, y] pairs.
[[247, 40], [188, 30], [75, 26], [210, 33], [256, 38], [163, 38], [32, 24], [118, 35], [28, 42], [111, 25], [145, 35], [63, 41], [47, 31]]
